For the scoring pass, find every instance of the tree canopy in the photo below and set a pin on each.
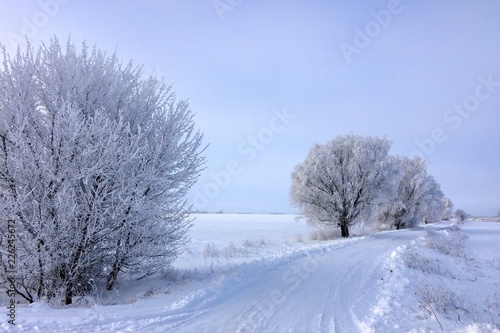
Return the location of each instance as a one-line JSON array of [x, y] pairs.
[[95, 164]]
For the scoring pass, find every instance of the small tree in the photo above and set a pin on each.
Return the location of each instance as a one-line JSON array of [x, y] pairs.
[[461, 215], [340, 180], [95, 165]]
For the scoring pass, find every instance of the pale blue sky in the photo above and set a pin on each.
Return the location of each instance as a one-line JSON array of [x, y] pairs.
[[268, 79]]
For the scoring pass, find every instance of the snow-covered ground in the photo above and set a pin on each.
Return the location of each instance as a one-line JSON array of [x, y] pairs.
[[263, 273]]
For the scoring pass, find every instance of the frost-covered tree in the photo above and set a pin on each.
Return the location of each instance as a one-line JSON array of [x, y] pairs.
[[391, 214], [342, 179], [448, 209], [95, 165], [432, 201], [419, 198], [406, 208], [411, 189]]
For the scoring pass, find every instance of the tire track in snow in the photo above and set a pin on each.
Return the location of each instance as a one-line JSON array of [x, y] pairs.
[[331, 298]]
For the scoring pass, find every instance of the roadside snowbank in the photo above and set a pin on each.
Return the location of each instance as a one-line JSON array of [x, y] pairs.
[[448, 280]]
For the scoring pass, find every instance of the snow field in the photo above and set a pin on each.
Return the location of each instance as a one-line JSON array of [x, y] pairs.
[[263, 273]]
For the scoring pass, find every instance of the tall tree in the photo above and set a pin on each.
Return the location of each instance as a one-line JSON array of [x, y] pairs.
[[432, 201], [410, 192], [95, 165], [448, 209], [419, 197], [340, 180]]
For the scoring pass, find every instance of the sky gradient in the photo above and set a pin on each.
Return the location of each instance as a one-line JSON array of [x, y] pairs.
[[269, 79]]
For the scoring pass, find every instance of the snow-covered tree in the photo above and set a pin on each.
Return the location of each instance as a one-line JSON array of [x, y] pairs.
[[405, 210], [419, 198], [391, 214], [432, 201], [341, 180], [95, 165], [411, 189], [448, 209]]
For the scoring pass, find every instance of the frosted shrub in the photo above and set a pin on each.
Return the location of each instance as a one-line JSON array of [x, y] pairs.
[[441, 299], [414, 260], [449, 241], [95, 166], [210, 251], [230, 251], [248, 243], [321, 234]]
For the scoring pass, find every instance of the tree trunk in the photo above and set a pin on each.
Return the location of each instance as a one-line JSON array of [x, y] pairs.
[[69, 293], [41, 280], [116, 267], [120, 260], [345, 230], [69, 275], [112, 276]]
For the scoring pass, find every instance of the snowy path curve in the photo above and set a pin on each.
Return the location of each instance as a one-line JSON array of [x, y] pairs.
[[321, 288], [323, 292]]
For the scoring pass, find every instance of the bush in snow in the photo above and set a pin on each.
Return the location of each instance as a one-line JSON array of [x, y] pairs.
[[461, 215], [210, 251], [440, 299], [323, 234], [249, 243], [95, 164], [449, 241]]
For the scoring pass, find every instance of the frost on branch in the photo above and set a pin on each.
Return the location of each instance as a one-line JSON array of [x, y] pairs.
[[95, 164]]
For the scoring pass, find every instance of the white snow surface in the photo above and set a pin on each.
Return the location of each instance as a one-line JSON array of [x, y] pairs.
[[263, 273]]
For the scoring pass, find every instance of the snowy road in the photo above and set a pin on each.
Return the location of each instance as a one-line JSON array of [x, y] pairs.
[[323, 288], [328, 290], [333, 286]]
